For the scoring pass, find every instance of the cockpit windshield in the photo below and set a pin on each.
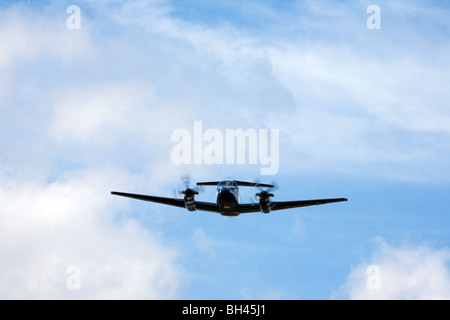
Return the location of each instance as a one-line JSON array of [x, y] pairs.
[[229, 184]]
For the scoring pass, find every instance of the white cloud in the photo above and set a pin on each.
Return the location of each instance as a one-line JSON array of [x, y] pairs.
[[47, 227], [339, 106], [405, 272], [203, 242], [112, 92], [101, 114], [28, 35], [263, 293], [360, 109]]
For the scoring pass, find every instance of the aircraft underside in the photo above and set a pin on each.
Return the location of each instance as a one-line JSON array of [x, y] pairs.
[[227, 202]]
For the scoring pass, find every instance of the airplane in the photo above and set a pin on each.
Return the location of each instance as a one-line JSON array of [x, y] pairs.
[[228, 200]]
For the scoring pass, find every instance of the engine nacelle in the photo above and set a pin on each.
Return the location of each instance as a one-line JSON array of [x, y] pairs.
[[189, 203], [264, 205], [264, 201]]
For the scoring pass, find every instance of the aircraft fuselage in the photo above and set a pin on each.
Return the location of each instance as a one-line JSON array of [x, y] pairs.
[[228, 198]]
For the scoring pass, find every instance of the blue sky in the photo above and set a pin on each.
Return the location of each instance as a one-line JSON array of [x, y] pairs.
[[362, 114]]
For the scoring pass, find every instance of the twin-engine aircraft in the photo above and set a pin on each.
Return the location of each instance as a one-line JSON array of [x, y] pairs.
[[228, 200]]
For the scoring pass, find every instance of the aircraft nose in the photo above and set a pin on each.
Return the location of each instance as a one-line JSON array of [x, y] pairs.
[[225, 195], [226, 200]]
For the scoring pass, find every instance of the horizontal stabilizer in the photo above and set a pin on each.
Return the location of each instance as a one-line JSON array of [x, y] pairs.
[[254, 184], [210, 183], [239, 183]]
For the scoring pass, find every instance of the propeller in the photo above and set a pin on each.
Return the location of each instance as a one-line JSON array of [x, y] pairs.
[[264, 196], [264, 193], [188, 191]]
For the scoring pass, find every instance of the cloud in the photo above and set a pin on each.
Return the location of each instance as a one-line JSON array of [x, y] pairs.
[[203, 242], [110, 94], [263, 293], [404, 272], [356, 103], [101, 114], [368, 101], [47, 227]]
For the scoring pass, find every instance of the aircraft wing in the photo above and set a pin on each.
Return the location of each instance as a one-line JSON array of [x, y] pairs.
[[281, 205], [242, 208], [169, 201], [199, 205], [248, 207], [206, 206]]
